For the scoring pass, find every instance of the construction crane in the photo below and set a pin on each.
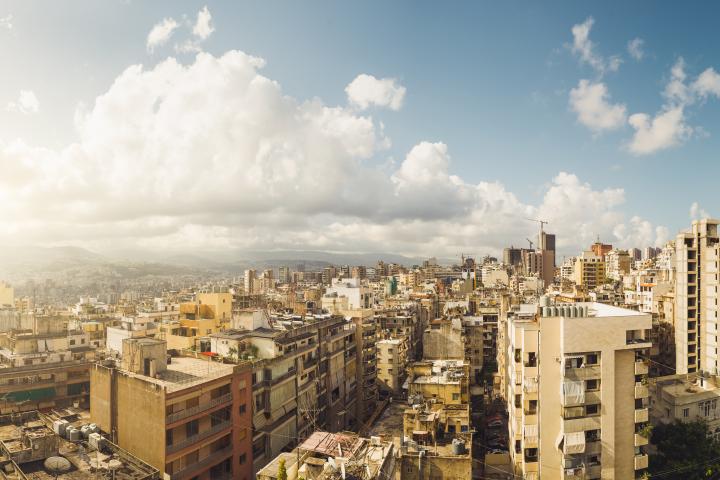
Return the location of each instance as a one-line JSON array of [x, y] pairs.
[[541, 222], [530, 242]]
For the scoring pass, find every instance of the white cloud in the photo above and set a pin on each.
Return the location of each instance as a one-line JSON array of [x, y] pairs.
[[590, 101], [214, 155], [203, 26], [6, 22], [697, 213], [366, 91], [667, 129], [27, 103], [635, 48], [160, 33], [707, 83], [586, 50]]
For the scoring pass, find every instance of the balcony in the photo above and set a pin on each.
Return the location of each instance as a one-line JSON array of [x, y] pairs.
[[641, 415], [641, 391], [204, 464], [198, 437], [189, 412], [640, 440], [641, 461], [641, 368]]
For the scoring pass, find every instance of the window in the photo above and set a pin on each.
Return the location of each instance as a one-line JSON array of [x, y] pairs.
[[243, 408], [592, 359], [686, 412], [243, 459], [592, 409], [592, 384], [192, 428], [456, 396], [168, 437]]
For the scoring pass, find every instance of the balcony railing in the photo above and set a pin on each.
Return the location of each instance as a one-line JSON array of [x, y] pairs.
[[641, 415], [202, 465], [189, 412], [641, 461], [198, 437]]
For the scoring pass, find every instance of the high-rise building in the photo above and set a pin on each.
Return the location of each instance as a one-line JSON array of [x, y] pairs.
[[697, 255], [591, 370], [284, 275], [249, 282], [7, 294], [589, 270]]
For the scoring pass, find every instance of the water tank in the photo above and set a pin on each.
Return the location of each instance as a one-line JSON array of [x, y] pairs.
[[85, 430], [584, 311], [96, 441], [553, 311], [57, 465], [94, 428], [574, 311], [458, 447], [75, 435]]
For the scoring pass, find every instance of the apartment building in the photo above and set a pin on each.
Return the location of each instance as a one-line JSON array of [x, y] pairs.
[[188, 417], [196, 320], [586, 361], [7, 294], [330, 456], [589, 270], [697, 254], [480, 332], [392, 360], [129, 327], [436, 439], [686, 398], [366, 328], [44, 366], [304, 376], [617, 263], [403, 321]]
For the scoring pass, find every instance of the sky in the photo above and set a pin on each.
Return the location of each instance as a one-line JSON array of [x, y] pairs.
[[419, 128]]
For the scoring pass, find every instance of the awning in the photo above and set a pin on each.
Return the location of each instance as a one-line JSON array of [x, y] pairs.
[[530, 432], [573, 392], [574, 442]]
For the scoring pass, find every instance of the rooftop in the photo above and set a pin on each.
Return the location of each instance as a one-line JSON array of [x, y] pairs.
[[186, 372]]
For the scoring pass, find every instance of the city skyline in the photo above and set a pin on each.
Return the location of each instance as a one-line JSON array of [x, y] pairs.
[[186, 126]]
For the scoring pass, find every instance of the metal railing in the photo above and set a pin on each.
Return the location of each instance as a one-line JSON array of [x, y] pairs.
[[198, 437], [188, 412], [209, 461]]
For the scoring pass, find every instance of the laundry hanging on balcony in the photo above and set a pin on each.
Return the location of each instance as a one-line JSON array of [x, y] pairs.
[[573, 392], [574, 442], [530, 432]]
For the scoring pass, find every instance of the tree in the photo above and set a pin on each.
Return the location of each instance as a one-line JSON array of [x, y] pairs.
[[685, 451], [282, 471]]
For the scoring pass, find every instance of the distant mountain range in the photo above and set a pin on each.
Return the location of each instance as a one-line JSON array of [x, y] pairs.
[[22, 262]]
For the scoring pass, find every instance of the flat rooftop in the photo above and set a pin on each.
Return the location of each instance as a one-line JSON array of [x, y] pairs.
[[686, 390], [186, 372]]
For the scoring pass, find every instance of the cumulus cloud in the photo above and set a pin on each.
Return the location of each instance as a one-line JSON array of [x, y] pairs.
[[203, 25], [696, 212], [366, 91], [160, 33], [214, 155], [587, 52], [26, 103], [668, 128], [6, 22], [635, 48], [707, 83], [590, 101]]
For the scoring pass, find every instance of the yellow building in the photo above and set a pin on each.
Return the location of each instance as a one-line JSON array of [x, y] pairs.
[[219, 303], [7, 294], [589, 270], [196, 320]]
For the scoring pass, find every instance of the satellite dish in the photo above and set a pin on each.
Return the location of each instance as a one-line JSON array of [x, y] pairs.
[[57, 465]]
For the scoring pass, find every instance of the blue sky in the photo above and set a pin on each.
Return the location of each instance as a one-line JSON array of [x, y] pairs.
[[491, 81]]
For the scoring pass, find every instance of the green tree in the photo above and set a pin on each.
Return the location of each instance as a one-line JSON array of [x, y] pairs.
[[282, 471], [684, 452]]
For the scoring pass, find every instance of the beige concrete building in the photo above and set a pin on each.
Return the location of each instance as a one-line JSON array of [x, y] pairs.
[[187, 417], [587, 362], [617, 263], [697, 258], [392, 360], [7, 294], [686, 398], [332, 456]]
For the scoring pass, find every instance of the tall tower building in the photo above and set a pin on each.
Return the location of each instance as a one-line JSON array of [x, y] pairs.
[[697, 253], [578, 406]]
